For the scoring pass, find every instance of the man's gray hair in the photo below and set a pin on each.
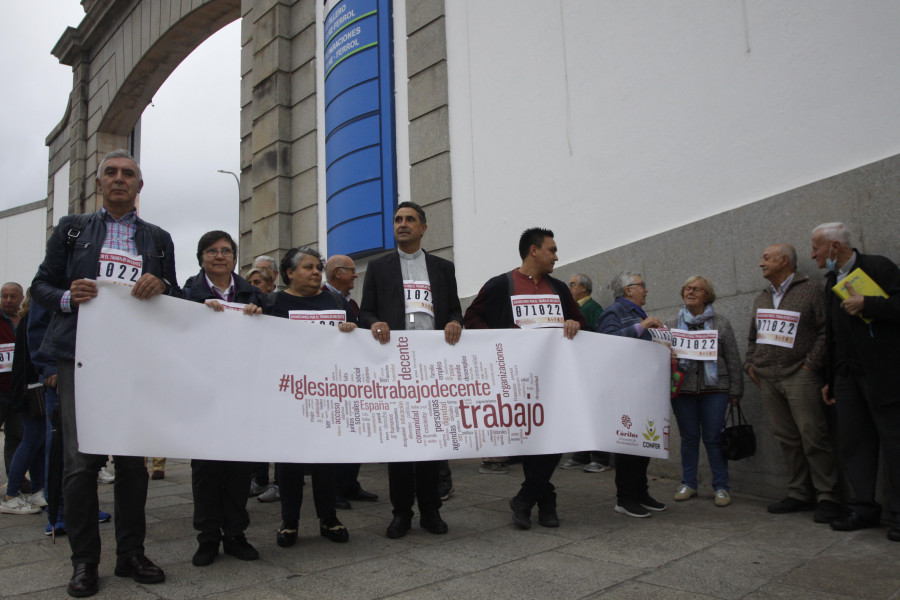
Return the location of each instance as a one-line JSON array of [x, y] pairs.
[[791, 253], [120, 153], [266, 259], [834, 232], [622, 281], [585, 281]]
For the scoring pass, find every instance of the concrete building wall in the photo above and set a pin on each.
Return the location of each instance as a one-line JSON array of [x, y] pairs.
[[21, 242], [611, 122]]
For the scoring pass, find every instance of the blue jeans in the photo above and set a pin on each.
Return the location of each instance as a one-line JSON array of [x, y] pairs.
[[29, 457], [701, 416]]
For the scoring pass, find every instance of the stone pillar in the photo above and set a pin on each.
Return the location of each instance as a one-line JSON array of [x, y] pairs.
[[278, 127], [429, 128]]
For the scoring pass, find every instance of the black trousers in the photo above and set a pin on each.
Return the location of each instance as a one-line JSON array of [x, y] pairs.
[[866, 426], [80, 487], [538, 468], [220, 498], [411, 480], [12, 429], [290, 485], [631, 477], [346, 479]]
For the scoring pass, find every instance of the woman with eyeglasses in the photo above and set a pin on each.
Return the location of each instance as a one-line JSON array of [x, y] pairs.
[[708, 386], [626, 317], [305, 301], [220, 486]]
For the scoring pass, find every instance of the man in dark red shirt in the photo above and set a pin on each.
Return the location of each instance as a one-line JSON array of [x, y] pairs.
[[505, 302]]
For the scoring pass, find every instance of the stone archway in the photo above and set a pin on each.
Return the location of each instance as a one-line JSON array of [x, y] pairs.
[[123, 51]]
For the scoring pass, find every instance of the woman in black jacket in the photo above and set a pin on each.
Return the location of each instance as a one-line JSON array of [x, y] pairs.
[[220, 486]]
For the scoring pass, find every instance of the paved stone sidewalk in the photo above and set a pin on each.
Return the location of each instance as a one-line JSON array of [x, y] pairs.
[[694, 550]]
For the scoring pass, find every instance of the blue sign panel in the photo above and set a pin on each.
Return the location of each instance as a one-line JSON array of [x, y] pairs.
[[360, 181]]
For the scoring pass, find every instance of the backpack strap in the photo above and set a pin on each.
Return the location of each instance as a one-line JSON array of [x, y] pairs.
[[75, 228]]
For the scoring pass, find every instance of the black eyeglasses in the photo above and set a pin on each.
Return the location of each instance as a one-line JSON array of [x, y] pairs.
[[211, 252]]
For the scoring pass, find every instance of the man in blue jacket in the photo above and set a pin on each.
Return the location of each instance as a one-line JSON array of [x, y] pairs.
[[112, 244]]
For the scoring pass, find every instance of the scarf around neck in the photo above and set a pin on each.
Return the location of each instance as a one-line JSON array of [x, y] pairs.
[[706, 319]]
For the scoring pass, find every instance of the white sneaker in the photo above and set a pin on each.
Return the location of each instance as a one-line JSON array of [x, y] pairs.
[[17, 505], [571, 464], [722, 498], [685, 493], [595, 467], [36, 499], [104, 476]]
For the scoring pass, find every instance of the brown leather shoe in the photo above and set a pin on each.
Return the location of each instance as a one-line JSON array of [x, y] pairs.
[[141, 569], [84, 581]]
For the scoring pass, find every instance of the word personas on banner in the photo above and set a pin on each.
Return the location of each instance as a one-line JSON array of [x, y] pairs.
[[6, 357], [776, 327], [696, 345], [119, 267], [533, 311]]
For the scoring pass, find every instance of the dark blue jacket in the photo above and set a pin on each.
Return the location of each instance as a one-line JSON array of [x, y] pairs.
[[620, 319], [61, 267], [197, 289]]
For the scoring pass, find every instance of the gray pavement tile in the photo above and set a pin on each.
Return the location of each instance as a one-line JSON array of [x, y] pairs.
[[312, 554], [645, 544], [25, 528], [184, 580], [780, 591], [375, 578], [549, 574], [639, 590], [175, 511], [34, 576], [791, 537], [29, 552], [724, 571], [850, 576], [486, 549], [154, 502], [867, 543]]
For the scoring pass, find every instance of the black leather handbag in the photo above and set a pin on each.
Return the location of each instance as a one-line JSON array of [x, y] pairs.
[[738, 439]]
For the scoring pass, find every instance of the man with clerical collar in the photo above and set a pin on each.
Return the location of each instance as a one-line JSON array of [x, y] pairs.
[[115, 245], [11, 297], [862, 379], [503, 303], [340, 277], [411, 290], [786, 359]]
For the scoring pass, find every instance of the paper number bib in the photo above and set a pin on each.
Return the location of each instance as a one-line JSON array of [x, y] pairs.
[[119, 266], [237, 306], [318, 317], [696, 345], [417, 296], [777, 327], [6, 357], [533, 311]]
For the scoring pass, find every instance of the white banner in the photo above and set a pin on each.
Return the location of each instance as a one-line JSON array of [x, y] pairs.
[[168, 377]]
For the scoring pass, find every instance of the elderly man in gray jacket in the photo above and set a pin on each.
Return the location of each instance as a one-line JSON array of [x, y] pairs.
[[785, 358]]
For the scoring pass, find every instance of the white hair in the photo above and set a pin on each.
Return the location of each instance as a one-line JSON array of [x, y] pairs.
[[622, 281], [834, 232]]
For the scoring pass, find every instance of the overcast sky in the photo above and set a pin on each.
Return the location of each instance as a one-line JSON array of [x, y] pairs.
[[191, 129]]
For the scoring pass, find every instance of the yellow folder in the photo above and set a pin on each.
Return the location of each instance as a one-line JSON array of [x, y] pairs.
[[862, 283]]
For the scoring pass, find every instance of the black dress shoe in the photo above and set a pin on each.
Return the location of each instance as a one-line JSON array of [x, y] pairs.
[[521, 514], [84, 581], [432, 522], [334, 530], [363, 496], [206, 554], [287, 534], [827, 511], [788, 505], [399, 526], [894, 533], [141, 569], [239, 547], [342, 503], [852, 522]]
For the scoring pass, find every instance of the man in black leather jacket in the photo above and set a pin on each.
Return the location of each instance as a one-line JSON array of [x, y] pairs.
[[113, 244]]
